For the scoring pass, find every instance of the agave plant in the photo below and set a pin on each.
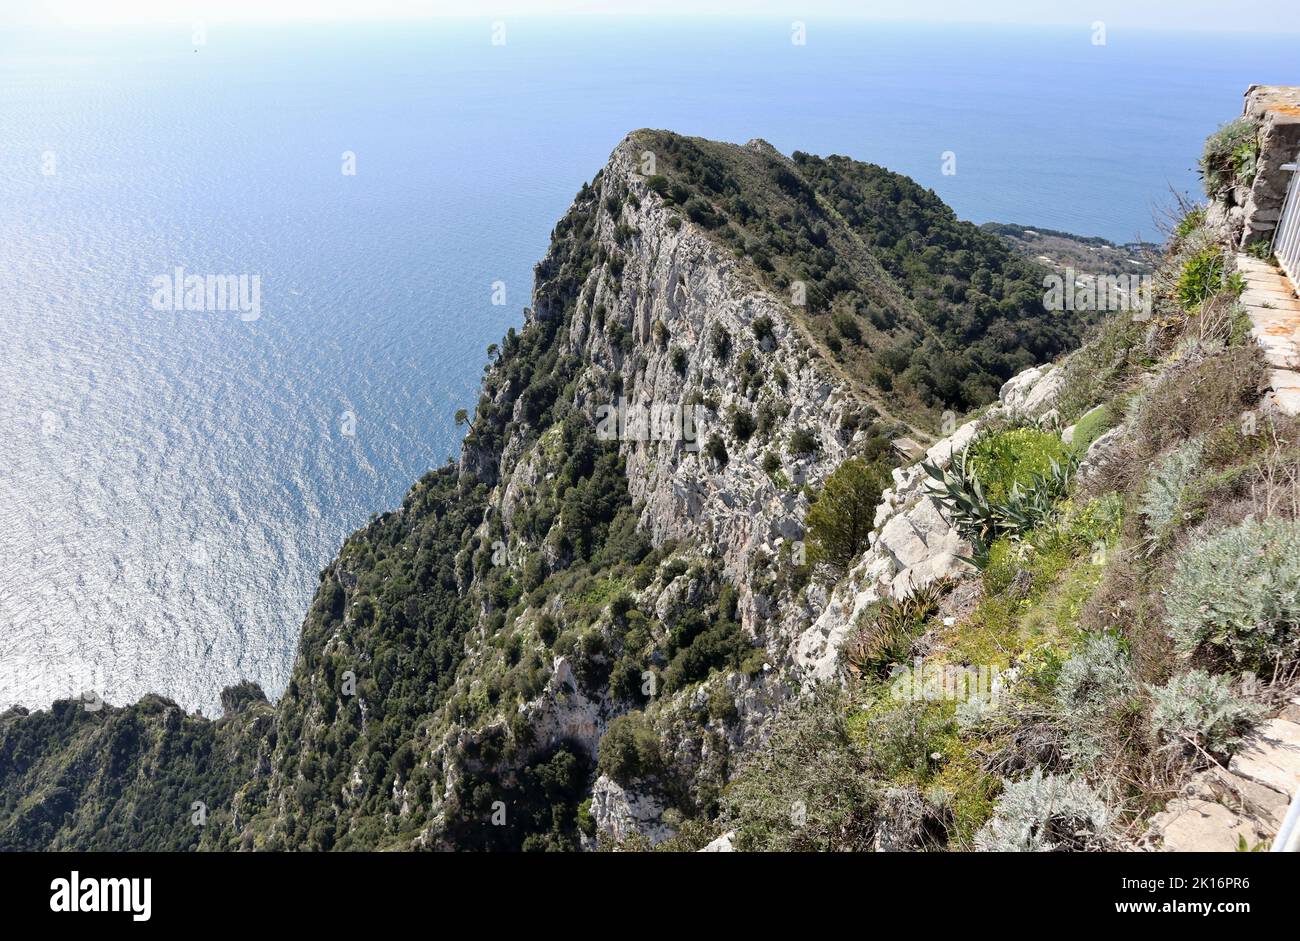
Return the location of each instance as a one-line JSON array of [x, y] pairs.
[[1028, 506], [963, 496], [981, 520], [885, 635]]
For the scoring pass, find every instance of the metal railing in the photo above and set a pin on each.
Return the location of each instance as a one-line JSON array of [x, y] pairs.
[[1286, 238], [1288, 837]]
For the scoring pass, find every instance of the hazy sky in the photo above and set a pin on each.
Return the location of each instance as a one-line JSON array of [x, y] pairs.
[[1264, 15]]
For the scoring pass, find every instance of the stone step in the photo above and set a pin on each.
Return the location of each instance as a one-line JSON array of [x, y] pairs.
[[1269, 300], [1241, 795], [1219, 808], [1274, 314], [1272, 758], [1266, 281], [1274, 334], [1261, 275], [1279, 317], [1282, 355], [1191, 825], [1282, 345], [1259, 270], [1283, 380], [1251, 263], [1281, 358], [1286, 401]]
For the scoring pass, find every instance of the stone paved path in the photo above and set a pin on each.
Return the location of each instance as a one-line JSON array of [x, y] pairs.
[[1221, 807], [1275, 323]]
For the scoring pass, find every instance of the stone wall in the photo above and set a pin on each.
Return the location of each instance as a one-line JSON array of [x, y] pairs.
[[1276, 110]]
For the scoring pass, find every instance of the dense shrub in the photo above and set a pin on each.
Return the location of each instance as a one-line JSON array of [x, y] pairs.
[[1197, 394], [803, 441], [1162, 500], [848, 328], [125, 778], [807, 789], [1095, 688], [743, 424], [720, 340], [1194, 219], [240, 696], [716, 448], [1202, 275], [1004, 459], [719, 646], [841, 519], [1229, 157], [1236, 594], [541, 801], [629, 749]]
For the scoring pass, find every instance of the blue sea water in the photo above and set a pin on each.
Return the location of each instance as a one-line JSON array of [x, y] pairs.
[[171, 482]]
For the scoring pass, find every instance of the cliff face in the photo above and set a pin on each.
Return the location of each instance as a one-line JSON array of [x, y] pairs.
[[574, 636], [673, 338], [677, 292]]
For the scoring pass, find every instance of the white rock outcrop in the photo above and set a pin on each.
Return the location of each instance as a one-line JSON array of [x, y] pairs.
[[622, 814], [915, 543], [563, 712], [723, 844]]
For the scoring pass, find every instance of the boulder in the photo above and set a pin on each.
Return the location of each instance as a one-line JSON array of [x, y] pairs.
[[1101, 453], [1030, 394], [621, 813], [723, 844]]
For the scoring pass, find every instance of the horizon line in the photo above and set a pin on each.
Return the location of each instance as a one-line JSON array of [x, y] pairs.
[[406, 17]]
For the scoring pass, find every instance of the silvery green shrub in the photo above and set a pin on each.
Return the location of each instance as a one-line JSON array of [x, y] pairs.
[[974, 711], [1096, 683], [1041, 814], [1238, 593], [1202, 708], [1164, 491]]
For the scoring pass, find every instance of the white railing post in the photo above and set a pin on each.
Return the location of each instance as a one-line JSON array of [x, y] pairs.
[[1286, 237], [1288, 835]]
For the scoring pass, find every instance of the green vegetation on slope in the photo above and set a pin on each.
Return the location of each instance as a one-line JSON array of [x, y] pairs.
[[929, 309], [145, 777], [1114, 623]]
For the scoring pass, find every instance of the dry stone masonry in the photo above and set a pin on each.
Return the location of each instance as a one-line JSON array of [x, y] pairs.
[[1253, 211]]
